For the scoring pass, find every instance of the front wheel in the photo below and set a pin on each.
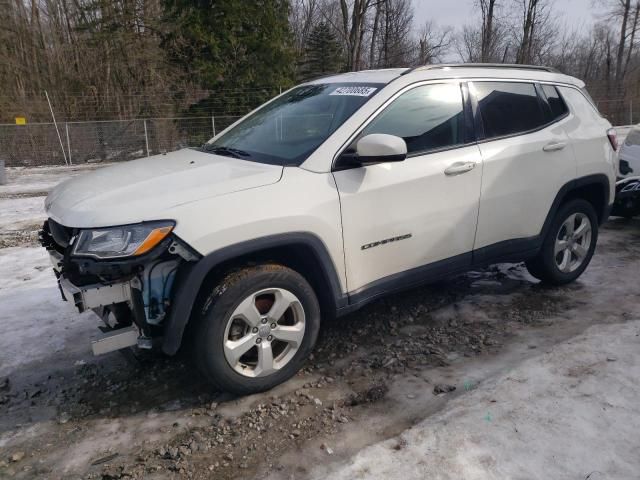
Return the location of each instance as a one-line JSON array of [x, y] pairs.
[[256, 329], [569, 245]]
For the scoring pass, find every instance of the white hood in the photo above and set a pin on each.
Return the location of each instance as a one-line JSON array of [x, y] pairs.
[[142, 190]]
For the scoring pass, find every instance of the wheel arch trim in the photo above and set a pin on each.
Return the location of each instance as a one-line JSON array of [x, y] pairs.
[[192, 277], [599, 179]]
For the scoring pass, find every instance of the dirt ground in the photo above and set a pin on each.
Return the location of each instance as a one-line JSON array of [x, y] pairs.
[[374, 376]]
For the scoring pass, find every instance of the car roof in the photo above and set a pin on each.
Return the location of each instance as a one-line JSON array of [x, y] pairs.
[[384, 75], [458, 70]]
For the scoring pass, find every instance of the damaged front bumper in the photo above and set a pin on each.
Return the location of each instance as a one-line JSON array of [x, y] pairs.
[[95, 296], [99, 299], [132, 296]]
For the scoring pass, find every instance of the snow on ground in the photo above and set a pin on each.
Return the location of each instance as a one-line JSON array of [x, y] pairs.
[[34, 320], [568, 413], [22, 200], [39, 180], [21, 213]]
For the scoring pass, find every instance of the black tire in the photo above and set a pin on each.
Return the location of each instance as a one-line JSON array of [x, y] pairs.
[[216, 311], [543, 266]]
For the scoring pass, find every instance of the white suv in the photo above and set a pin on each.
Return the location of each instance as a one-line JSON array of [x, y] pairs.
[[331, 195]]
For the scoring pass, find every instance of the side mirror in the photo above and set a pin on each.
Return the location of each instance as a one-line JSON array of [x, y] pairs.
[[377, 148]]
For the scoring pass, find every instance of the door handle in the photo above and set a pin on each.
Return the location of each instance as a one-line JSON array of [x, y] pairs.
[[554, 146], [459, 168]]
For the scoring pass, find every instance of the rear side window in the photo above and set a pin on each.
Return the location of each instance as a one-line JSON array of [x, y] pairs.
[[558, 107], [428, 117], [508, 108]]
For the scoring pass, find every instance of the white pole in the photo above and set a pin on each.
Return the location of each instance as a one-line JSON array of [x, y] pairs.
[[213, 125], [146, 137], [66, 129], [56, 126]]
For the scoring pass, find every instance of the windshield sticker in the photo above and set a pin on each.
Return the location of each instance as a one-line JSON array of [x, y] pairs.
[[354, 91]]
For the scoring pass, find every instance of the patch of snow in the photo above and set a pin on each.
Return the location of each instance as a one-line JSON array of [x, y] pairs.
[[566, 413], [34, 320], [33, 180], [21, 213]]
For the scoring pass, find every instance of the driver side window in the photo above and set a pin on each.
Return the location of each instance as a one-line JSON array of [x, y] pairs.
[[428, 117]]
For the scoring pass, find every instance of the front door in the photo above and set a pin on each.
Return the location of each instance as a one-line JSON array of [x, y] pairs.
[[402, 221]]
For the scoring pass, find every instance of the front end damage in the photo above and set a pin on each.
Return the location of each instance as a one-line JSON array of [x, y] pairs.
[[132, 295], [627, 201]]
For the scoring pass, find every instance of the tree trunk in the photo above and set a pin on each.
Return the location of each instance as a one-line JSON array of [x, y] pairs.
[[623, 40], [374, 36]]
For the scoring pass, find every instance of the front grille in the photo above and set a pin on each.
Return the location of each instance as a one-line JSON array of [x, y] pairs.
[[61, 234]]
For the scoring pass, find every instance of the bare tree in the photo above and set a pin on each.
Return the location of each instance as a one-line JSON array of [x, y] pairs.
[[489, 29], [627, 13], [433, 43], [374, 34], [537, 30], [304, 15], [488, 40], [391, 39], [354, 14]]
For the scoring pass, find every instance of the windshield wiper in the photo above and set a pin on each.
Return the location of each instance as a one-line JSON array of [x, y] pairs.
[[227, 151]]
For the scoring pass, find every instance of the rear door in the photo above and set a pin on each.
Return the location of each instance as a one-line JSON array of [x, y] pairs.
[[527, 158]]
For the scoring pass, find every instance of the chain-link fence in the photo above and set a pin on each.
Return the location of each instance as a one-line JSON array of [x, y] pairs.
[[104, 141], [75, 142], [619, 111]]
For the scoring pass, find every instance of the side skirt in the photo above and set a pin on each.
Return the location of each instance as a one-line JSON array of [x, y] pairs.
[[516, 250]]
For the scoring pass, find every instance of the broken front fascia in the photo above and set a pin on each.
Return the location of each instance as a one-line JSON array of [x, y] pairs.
[[134, 290]]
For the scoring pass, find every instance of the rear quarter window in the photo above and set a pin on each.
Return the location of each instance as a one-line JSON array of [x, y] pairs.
[[556, 103]]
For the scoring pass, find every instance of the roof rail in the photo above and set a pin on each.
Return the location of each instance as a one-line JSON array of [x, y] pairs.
[[481, 65]]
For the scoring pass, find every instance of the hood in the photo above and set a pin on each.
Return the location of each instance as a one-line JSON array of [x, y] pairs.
[[145, 189]]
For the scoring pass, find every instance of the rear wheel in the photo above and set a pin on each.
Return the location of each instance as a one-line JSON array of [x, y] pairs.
[[569, 245], [256, 329]]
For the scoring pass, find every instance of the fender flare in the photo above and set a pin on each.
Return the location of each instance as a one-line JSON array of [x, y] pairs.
[[596, 179], [191, 277]]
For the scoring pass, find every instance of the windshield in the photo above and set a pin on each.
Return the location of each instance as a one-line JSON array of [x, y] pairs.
[[289, 129]]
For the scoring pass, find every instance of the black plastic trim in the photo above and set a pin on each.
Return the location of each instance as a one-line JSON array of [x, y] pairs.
[[469, 123], [514, 250], [191, 278], [407, 279]]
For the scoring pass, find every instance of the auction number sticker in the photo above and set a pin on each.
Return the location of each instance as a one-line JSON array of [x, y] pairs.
[[354, 91]]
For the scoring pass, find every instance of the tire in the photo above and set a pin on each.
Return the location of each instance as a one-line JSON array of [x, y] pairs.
[[232, 318], [560, 263]]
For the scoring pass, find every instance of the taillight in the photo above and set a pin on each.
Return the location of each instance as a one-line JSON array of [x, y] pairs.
[[612, 135]]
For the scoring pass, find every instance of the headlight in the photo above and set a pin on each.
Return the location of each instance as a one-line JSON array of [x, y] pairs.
[[125, 241]]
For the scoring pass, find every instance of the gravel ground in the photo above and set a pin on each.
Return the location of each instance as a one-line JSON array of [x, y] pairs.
[[374, 374]]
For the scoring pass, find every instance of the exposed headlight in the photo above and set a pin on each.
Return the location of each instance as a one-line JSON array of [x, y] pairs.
[[124, 241]]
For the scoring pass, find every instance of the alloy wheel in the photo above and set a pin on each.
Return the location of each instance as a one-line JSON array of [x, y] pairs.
[[573, 242], [264, 332]]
